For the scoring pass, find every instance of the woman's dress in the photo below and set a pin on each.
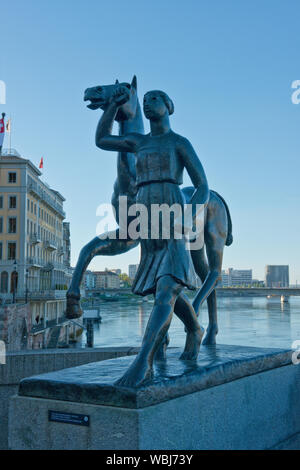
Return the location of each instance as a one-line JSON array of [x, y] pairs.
[[159, 173]]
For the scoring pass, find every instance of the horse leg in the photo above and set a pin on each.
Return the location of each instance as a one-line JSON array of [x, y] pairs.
[[202, 269], [212, 329], [215, 235], [108, 246]]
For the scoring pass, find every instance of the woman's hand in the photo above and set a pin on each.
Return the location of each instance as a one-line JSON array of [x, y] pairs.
[[121, 95]]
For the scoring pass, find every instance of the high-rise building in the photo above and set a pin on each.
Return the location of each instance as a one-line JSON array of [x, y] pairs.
[[34, 240], [236, 277], [277, 275], [132, 270]]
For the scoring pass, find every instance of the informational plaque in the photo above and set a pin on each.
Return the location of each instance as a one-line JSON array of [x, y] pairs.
[[69, 418]]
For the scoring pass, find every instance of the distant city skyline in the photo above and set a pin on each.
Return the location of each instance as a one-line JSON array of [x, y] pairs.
[[230, 76]]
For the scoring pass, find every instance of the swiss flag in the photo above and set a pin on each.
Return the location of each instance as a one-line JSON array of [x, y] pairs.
[[41, 165], [2, 131]]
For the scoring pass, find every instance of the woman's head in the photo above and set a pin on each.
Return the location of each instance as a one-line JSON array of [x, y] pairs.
[[156, 104]]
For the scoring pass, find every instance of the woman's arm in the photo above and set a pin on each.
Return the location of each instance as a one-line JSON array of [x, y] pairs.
[[104, 139], [195, 171]]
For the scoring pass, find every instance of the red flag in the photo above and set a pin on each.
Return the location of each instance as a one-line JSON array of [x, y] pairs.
[[41, 165]]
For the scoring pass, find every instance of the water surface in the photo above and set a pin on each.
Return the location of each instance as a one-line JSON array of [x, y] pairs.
[[244, 321]]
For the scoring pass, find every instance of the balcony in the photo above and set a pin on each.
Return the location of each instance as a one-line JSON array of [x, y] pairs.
[[49, 245], [34, 239], [48, 266], [50, 294], [60, 251], [8, 262], [35, 262], [37, 190]]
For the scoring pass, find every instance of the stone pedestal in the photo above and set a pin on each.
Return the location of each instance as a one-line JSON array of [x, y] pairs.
[[234, 398]]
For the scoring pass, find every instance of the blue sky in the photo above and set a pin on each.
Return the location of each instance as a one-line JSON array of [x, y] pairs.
[[228, 66]]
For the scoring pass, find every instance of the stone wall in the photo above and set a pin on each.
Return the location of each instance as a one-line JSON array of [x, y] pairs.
[[27, 363], [15, 327], [17, 334]]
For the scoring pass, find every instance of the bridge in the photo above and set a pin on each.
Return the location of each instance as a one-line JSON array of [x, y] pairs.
[[282, 292]]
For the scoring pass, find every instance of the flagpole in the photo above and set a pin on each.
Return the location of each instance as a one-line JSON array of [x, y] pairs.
[[10, 135], [2, 132]]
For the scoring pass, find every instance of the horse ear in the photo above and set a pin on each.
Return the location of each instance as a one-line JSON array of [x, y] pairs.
[[134, 82], [117, 82]]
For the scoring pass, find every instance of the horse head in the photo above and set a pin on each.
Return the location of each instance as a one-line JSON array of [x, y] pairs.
[[100, 97]]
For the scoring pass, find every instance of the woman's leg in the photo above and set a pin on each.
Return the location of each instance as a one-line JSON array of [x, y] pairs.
[[167, 291], [184, 310], [194, 332]]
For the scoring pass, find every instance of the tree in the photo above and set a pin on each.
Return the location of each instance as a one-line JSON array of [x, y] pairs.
[[127, 282]]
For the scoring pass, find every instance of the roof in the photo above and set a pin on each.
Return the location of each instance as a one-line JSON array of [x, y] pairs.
[[13, 156]]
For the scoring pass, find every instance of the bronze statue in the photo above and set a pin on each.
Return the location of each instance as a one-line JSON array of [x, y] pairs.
[[217, 218], [166, 265]]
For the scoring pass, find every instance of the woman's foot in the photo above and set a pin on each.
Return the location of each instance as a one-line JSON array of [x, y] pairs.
[[211, 333], [192, 345], [137, 374], [73, 309]]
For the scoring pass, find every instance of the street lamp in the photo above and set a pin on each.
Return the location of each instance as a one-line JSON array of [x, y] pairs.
[[15, 277], [26, 286]]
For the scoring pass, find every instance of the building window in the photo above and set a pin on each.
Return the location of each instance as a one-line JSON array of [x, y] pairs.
[[31, 207], [4, 282], [12, 177], [1, 224], [28, 204], [11, 250], [12, 202], [35, 209], [12, 225], [1, 202], [1, 250]]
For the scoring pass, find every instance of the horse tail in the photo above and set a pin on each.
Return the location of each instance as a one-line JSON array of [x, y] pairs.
[[229, 238]]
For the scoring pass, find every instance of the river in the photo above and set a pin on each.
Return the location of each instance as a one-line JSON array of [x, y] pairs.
[[244, 321]]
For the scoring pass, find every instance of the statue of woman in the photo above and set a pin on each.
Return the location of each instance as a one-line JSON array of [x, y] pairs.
[[166, 266]]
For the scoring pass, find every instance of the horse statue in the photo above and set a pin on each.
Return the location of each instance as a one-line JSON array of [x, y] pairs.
[[217, 221]]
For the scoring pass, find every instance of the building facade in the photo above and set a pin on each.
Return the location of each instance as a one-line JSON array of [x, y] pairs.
[[34, 239], [89, 280], [107, 280], [236, 277], [117, 271], [277, 276]]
